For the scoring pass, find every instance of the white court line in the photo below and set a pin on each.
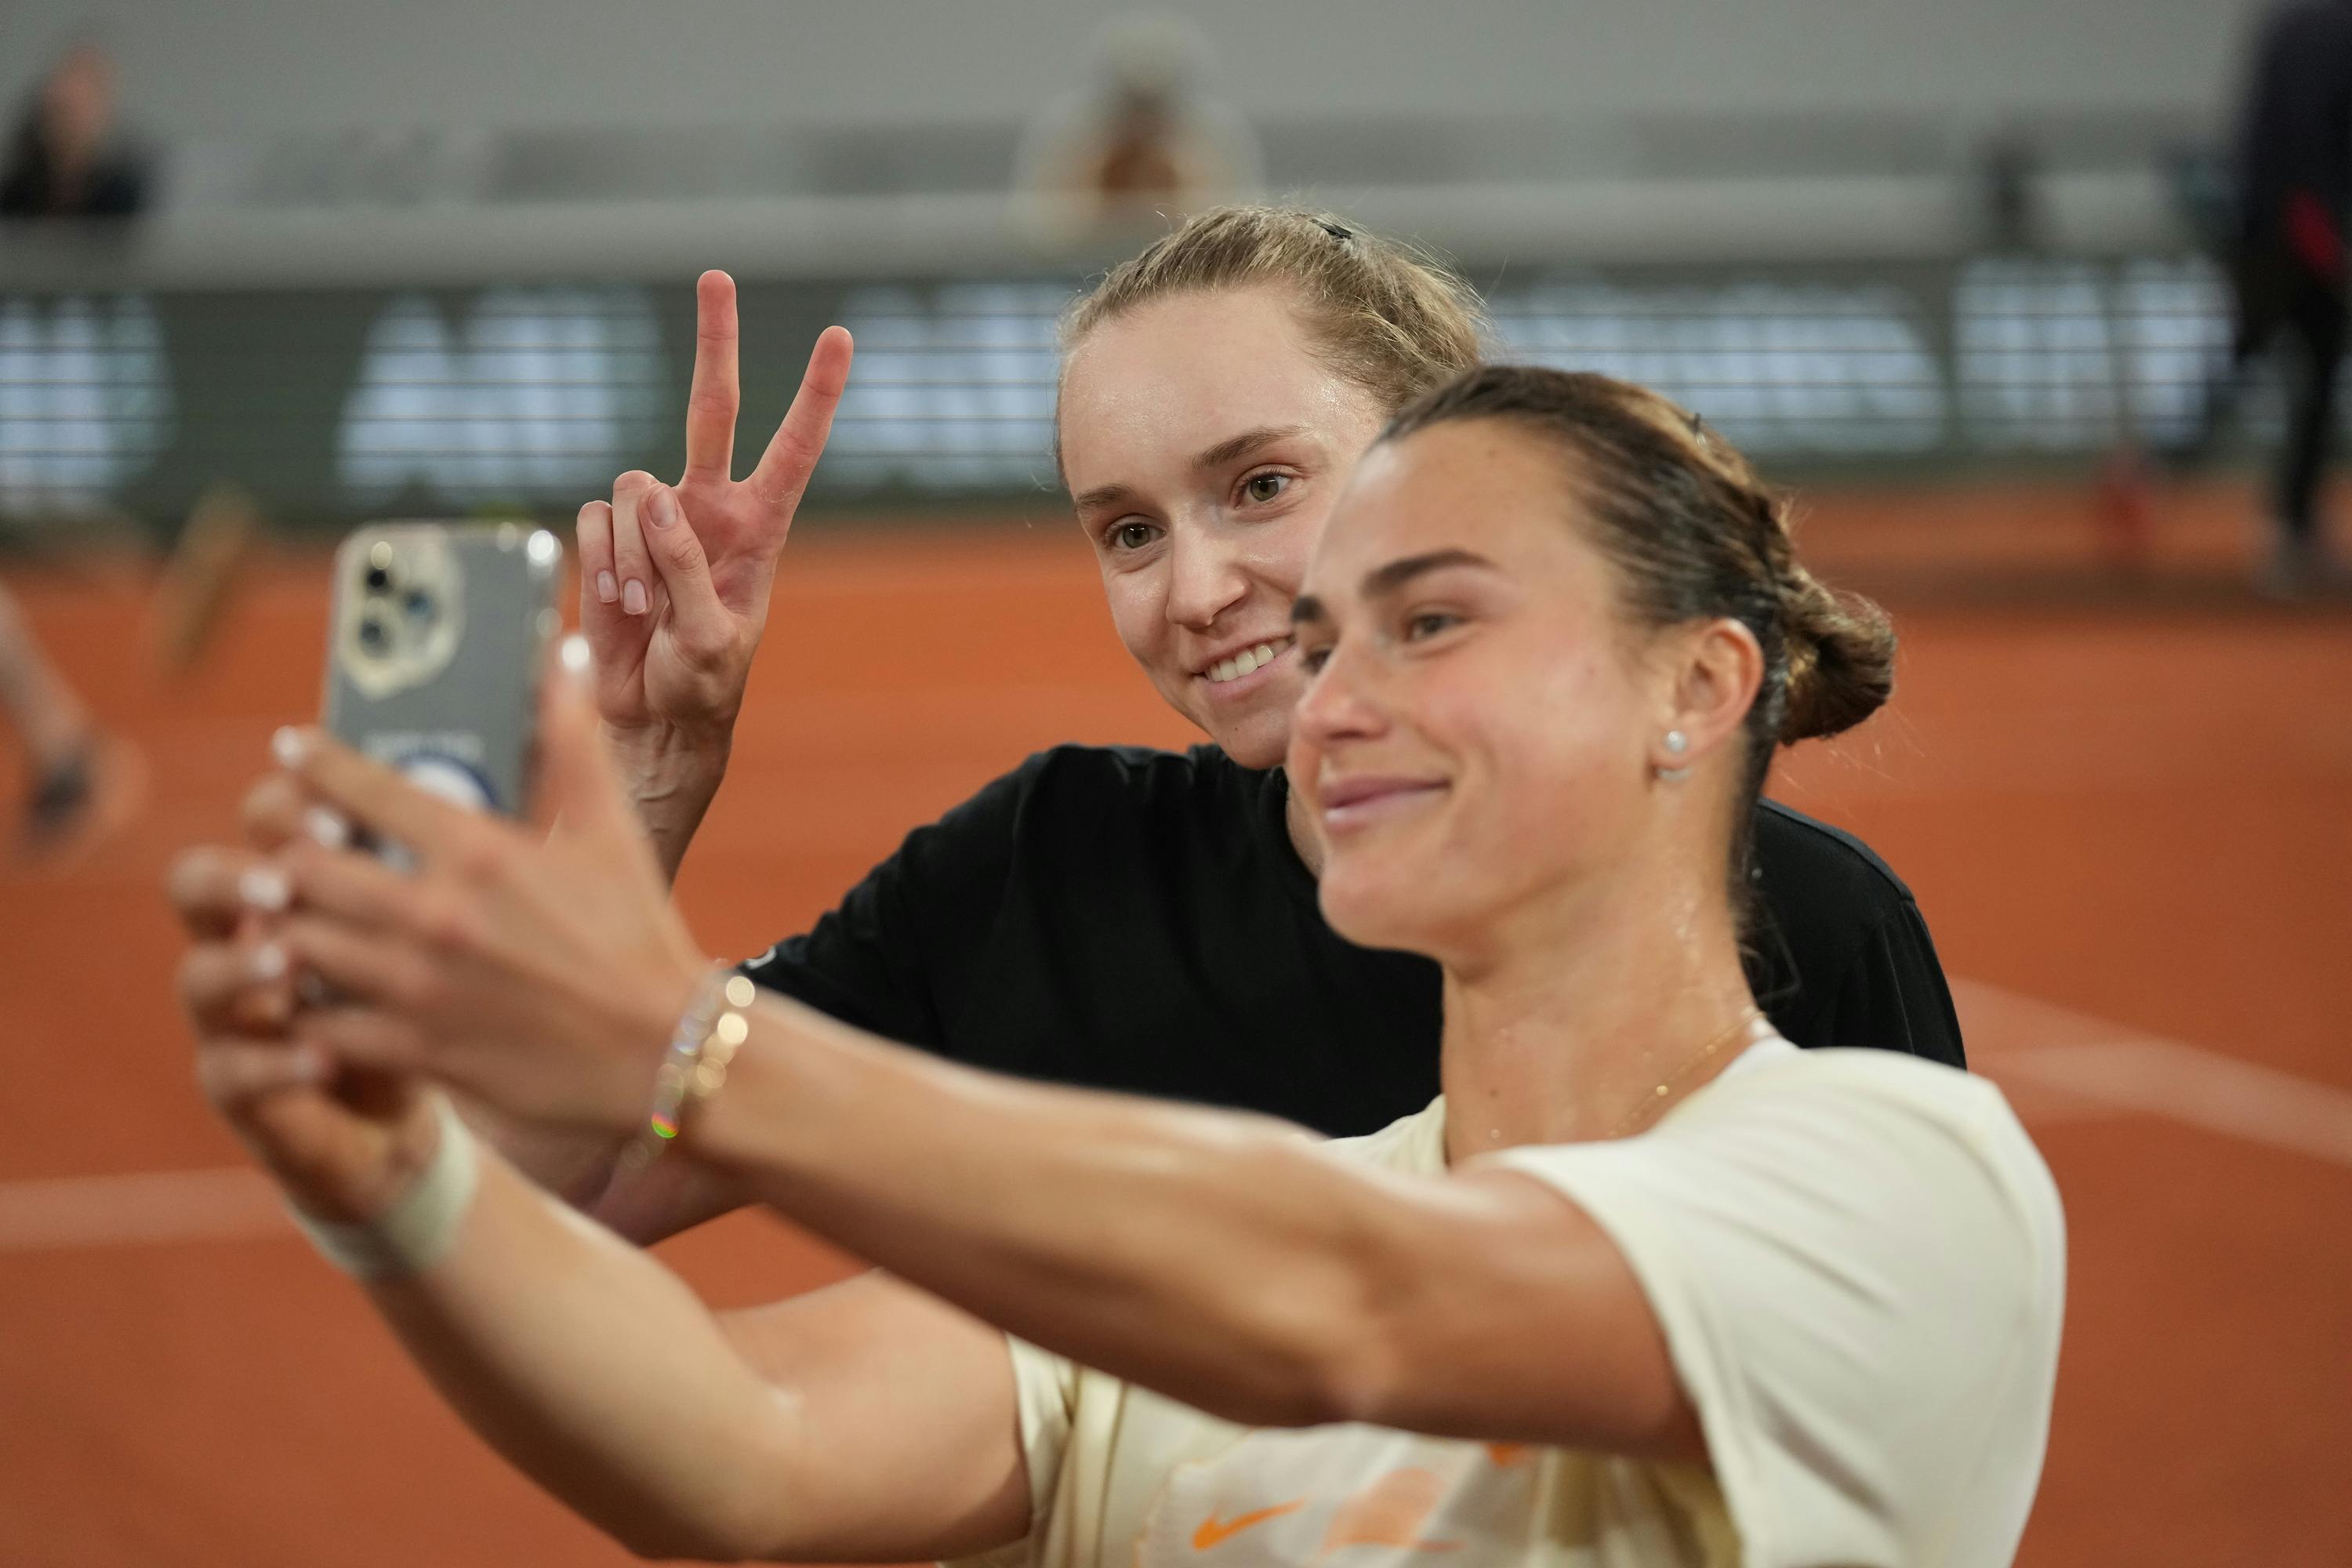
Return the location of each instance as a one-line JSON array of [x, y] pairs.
[[144, 1207], [2092, 1066], [2055, 1064], [2199, 1087]]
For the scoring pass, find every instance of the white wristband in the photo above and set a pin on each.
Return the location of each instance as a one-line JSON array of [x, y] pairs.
[[410, 1236]]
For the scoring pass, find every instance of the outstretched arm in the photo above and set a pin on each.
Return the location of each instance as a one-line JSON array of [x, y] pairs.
[[1228, 1260]]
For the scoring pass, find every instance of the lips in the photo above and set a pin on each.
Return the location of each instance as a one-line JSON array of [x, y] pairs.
[[1361, 801], [1241, 674], [1245, 660]]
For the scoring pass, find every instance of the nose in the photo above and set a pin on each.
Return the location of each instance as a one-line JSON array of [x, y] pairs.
[[1205, 577], [1340, 703]]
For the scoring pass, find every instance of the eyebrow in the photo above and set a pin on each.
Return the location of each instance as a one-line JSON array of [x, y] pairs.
[[1231, 449], [1388, 579]]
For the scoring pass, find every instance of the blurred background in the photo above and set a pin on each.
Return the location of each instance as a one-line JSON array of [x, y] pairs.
[[1975, 278]]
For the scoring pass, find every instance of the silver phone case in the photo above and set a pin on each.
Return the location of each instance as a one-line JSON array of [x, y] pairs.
[[435, 648]]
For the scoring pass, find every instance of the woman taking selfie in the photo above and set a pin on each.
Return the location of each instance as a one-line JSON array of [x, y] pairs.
[[1644, 1286], [1123, 918]]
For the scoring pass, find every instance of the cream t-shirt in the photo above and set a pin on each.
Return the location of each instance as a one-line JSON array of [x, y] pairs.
[[1858, 1260]]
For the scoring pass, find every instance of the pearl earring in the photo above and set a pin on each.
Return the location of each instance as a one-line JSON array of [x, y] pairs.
[[1676, 743]]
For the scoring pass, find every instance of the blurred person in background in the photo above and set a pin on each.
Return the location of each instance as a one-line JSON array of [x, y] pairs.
[[67, 158], [2287, 264], [1141, 146], [84, 782], [1644, 1286], [1117, 917]]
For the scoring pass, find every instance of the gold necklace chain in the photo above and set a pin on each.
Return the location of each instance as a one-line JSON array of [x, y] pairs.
[[1657, 1098]]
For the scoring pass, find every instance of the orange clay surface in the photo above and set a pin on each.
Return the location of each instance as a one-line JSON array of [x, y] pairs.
[[2125, 806]]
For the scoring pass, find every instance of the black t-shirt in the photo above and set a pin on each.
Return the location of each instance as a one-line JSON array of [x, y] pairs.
[[1135, 920]]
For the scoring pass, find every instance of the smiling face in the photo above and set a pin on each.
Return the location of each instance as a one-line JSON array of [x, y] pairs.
[[1205, 443], [1477, 730]]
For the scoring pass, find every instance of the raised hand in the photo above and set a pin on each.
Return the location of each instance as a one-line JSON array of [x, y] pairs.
[[675, 579]]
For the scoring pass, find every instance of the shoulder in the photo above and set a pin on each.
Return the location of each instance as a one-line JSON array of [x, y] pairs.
[[1071, 774], [1132, 772], [1084, 804], [1789, 843], [1937, 1136], [1858, 1262]]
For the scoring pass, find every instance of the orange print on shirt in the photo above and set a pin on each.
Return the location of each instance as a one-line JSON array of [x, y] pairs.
[[1506, 1455], [1389, 1513], [1213, 1531]]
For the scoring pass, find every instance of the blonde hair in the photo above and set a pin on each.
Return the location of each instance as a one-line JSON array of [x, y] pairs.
[[1381, 315]]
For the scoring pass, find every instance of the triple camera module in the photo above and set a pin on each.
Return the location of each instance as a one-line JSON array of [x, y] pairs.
[[401, 606]]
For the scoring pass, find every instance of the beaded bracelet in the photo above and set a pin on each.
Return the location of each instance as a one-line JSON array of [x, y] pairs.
[[705, 1041]]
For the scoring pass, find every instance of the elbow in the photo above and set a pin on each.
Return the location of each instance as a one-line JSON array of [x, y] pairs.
[[1336, 1357], [1354, 1378]]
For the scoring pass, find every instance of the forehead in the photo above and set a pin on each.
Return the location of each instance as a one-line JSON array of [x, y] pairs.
[[1147, 390], [1475, 485]]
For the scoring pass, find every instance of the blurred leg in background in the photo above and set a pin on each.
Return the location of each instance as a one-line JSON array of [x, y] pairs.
[[2314, 324]]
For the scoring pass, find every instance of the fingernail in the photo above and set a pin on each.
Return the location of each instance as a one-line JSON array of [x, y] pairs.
[[326, 826], [288, 746], [264, 888], [268, 962], [574, 653], [662, 507], [607, 590], [632, 597]]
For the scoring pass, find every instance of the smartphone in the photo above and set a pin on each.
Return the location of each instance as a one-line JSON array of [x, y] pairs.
[[435, 648]]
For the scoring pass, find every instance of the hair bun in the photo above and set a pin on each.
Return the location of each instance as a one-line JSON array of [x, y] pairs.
[[1841, 657]]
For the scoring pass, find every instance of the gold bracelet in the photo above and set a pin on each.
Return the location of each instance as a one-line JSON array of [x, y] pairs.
[[707, 1035]]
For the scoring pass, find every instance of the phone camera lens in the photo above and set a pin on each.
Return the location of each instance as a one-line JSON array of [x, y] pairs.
[[419, 606], [372, 636], [378, 579]]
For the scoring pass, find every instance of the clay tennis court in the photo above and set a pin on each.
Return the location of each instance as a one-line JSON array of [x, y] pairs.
[[2125, 806]]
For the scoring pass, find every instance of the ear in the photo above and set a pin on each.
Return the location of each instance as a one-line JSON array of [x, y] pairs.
[[1714, 669]]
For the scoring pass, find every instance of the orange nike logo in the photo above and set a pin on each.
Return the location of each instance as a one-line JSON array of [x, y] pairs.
[[1215, 1532]]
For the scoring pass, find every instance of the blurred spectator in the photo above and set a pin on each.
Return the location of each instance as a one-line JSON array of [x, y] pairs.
[[67, 158], [2293, 178], [2009, 172], [1138, 148], [84, 782]]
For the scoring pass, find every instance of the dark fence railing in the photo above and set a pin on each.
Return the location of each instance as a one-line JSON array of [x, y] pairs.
[[333, 404]]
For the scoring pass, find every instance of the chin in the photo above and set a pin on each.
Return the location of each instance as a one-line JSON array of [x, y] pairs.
[[1375, 905], [1259, 740]]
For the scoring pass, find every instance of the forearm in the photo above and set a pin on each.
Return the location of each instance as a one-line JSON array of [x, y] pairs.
[[1219, 1258], [670, 780], [596, 1372], [584, 1170]]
